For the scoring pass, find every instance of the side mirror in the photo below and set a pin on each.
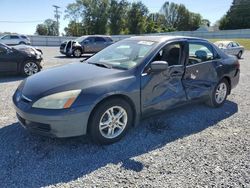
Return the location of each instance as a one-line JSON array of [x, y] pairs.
[[158, 66]]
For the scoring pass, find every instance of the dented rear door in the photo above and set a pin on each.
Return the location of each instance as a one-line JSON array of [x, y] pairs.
[[200, 74]]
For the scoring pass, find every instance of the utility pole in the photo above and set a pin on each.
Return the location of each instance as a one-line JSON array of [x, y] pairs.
[[57, 17]]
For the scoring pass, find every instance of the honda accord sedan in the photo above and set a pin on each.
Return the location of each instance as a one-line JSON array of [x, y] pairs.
[[131, 79]]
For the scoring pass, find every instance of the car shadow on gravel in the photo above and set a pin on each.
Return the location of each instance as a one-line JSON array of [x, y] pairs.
[[10, 78], [28, 160]]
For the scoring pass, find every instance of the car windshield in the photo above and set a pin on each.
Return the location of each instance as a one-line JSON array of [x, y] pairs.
[[80, 39], [124, 54]]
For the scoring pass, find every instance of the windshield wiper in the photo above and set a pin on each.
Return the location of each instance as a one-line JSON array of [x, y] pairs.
[[101, 65]]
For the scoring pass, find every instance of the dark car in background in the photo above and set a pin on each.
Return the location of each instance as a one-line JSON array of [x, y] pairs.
[[129, 80], [85, 44], [15, 39], [21, 59]]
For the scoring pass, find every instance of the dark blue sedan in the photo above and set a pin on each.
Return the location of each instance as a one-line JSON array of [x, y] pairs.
[[134, 78]]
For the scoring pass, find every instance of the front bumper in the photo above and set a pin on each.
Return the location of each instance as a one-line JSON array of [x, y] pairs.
[[52, 123]]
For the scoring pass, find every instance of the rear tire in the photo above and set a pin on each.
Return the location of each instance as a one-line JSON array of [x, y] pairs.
[[22, 43], [110, 121], [219, 94], [29, 68], [239, 55]]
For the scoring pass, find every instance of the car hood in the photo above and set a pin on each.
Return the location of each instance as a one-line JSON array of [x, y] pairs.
[[67, 77], [27, 49]]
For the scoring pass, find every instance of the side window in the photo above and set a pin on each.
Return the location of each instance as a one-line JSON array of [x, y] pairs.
[[108, 39], [99, 39], [230, 45], [91, 40], [235, 44], [170, 53], [199, 53], [14, 37]]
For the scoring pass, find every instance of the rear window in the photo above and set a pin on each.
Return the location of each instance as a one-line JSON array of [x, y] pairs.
[[200, 52], [24, 37], [108, 39]]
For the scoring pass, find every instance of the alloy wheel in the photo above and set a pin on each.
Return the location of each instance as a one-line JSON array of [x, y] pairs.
[[30, 68], [221, 93], [77, 53], [113, 122]]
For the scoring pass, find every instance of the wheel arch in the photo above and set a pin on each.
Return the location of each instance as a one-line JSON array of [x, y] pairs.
[[114, 96], [227, 78]]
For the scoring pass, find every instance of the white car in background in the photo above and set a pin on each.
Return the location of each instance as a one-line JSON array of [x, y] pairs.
[[14, 39], [231, 47]]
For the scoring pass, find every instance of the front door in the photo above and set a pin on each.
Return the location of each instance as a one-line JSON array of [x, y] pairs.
[[100, 43], [201, 75], [163, 90], [7, 60]]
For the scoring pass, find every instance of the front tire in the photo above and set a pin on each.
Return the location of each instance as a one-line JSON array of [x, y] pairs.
[[219, 94], [29, 68], [77, 53], [110, 121]]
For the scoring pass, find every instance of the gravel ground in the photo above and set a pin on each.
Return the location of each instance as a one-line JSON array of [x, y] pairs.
[[193, 146]]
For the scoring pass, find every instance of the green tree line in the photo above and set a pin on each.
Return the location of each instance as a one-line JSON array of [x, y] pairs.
[[121, 17], [238, 16]]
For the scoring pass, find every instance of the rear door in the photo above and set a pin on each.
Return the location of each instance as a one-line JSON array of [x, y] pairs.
[[230, 49], [160, 91], [8, 61], [236, 48], [201, 74], [100, 43], [14, 39]]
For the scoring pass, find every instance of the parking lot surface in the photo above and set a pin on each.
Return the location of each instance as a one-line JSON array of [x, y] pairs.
[[192, 146]]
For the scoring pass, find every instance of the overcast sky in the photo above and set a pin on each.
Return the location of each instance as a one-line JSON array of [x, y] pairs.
[[36, 11]]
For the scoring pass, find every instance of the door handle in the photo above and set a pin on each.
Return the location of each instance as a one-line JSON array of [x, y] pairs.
[[176, 73]]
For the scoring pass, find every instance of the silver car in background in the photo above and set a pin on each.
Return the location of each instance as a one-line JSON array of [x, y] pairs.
[[85, 44], [231, 47], [15, 39]]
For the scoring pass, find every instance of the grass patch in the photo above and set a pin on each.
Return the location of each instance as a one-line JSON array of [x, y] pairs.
[[243, 42]]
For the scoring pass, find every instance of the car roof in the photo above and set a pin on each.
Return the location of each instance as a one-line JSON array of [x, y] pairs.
[[95, 36], [160, 38]]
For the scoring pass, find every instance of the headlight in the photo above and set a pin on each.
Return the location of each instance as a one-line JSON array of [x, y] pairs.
[[32, 52], [58, 100]]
